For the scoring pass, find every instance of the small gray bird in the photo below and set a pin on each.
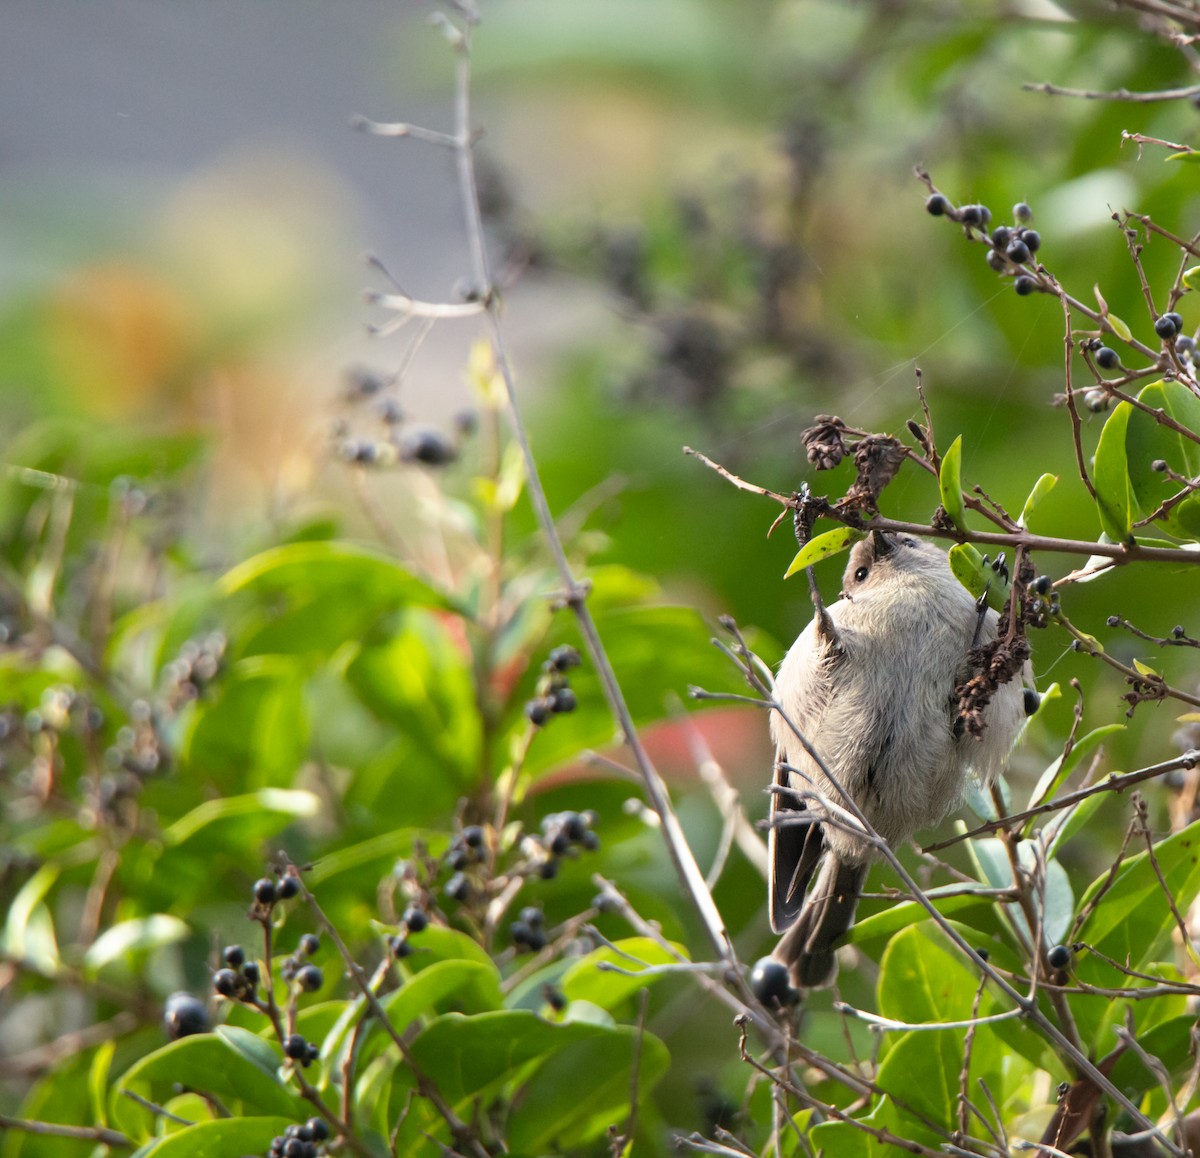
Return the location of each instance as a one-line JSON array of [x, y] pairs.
[[870, 683]]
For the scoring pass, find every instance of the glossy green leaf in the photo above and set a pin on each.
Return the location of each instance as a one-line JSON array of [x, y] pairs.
[[1187, 155], [244, 819], [1147, 440], [1119, 327], [312, 597], [1041, 489], [254, 733], [1059, 770], [226, 1138], [823, 546], [950, 485], [139, 935], [1191, 277], [584, 1088], [1135, 922], [465, 1056], [208, 1063], [966, 561], [29, 928], [586, 980], [1110, 476]]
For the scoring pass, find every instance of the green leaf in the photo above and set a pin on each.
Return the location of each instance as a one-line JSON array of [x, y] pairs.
[[824, 546], [950, 485], [1059, 770], [977, 576], [586, 981], [583, 1088], [255, 732], [310, 598], [208, 1063], [1110, 475], [1191, 277], [225, 1138], [464, 1056], [419, 681], [1147, 440], [461, 986], [924, 979], [1041, 489], [1188, 155], [128, 938], [29, 928], [244, 820], [1119, 327]]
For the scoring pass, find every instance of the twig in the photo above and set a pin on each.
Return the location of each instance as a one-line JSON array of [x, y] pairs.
[[98, 1134], [1114, 783], [1119, 94]]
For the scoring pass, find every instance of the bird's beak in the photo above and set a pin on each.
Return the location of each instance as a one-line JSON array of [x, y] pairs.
[[883, 546]]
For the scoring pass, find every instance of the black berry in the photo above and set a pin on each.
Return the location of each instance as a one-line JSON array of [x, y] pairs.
[[1096, 401], [1017, 251], [564, 700], [1177, 632], [264, 891], [416, 919], [996, 261], [1024, 285], [936, 204], [309, 944], [234, 956], [458, 888], [971, 215], [1032, 239], [400, 947], [589, 842], [1166, 328], [520, 932], [319, 1128], [548, 870], [184, 1015], [250, 972], [1042, 584], [532, 916], [564, 658], [1022, 212], [1160, 465], [1001, 236], [225, 982], [288, 888], [1107, 359], [295, 1047], [428, 447], [1032, 701], [1059, 957], [538, 712], [769, 982], [473, 836], [310, 978], [574, 825]]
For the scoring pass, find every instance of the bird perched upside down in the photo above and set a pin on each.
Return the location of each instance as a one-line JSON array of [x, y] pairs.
[[870, 684]]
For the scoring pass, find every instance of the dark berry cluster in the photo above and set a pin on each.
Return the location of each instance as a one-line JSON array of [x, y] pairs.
[[415, 920], [528, 931], [1041, 602], [1010, 247], [298, 970], [300, 1141], [198, 663], [554, 693], [400, 442], [300, 1050], [267, 893], [238, 978], [467, 849], [562, 834]]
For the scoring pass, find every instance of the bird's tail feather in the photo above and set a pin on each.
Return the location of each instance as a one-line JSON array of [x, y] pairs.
[[807, 948]]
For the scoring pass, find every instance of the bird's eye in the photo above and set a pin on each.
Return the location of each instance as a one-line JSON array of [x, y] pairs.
[[910, 542], [861, 574]]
